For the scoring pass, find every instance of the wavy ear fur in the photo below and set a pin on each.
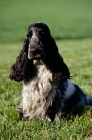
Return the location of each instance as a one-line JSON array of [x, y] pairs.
[[55, 62], [20, 69]]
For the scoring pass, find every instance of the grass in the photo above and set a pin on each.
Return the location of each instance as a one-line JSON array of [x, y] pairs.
[[66, 18], [77, 54]]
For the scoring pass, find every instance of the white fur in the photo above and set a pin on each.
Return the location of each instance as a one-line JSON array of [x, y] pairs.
[[34, 35], [70, 89], [38, 94]]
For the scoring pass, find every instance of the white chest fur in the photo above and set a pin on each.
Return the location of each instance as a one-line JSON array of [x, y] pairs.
[[37, 94]]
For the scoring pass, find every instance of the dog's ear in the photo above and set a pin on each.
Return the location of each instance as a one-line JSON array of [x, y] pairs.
[[61, 67], [18, 70], [53, 45], [54, 60], [64, 70]]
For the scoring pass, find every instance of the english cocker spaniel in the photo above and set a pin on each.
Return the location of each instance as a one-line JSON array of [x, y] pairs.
[[47, 90]]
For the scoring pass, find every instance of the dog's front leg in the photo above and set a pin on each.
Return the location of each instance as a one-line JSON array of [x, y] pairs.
[[54, 112]]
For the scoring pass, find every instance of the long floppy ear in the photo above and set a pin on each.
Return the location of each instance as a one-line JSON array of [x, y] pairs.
[[55, 61], [19, 69], [62, 69]]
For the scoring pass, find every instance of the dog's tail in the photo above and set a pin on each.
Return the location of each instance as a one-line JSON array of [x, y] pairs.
[[88, 100]]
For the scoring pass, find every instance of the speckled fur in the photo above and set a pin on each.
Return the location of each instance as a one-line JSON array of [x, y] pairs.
[[47, 90]]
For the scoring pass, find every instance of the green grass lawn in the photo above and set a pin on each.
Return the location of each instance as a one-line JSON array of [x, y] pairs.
[[77, 55], [66, 18]]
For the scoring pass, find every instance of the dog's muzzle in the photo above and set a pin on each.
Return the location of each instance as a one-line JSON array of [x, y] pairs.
[[36, 51]]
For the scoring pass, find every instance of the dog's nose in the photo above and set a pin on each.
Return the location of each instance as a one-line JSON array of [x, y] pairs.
[[35, 49]]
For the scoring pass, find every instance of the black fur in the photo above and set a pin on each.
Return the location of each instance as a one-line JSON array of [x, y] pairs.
[[39, 45], [24, 67]]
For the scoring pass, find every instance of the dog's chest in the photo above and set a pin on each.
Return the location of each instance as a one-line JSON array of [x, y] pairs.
[[42, 82], [38, 93]]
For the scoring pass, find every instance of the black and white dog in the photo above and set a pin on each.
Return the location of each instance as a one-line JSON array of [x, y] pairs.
[[47, 90]]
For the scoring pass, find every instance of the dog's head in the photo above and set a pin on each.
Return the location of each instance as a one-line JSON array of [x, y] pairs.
[[38, 45], [39, 41], [37, 35]]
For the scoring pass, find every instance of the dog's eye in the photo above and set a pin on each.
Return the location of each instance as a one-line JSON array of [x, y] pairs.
[[29, 34], [42, 33]]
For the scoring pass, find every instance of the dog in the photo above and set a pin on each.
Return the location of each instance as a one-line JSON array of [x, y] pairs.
[[47, 90]]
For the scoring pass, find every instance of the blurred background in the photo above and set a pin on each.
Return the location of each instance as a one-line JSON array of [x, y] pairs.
[[67, 19]]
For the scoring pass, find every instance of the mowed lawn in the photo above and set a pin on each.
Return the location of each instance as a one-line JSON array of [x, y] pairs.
[[70, 22], [77, 54]]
